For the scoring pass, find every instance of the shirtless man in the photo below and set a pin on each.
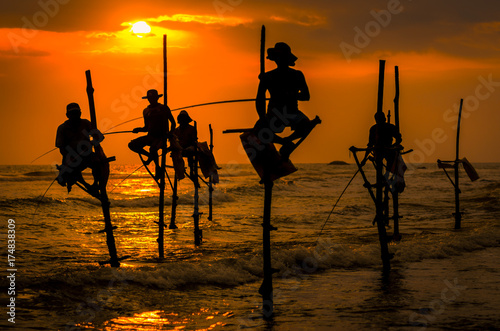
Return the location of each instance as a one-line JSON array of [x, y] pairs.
[[156, 123], [286, 86]]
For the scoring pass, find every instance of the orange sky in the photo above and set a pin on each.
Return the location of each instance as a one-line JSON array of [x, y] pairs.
[[445, 51]]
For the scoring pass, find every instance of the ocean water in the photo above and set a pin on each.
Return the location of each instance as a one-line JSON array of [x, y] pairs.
[[441, 278]]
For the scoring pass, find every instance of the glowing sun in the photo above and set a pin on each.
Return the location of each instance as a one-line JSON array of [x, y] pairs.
[[140, 28]]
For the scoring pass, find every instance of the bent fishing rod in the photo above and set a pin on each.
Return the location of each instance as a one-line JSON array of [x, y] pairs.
[[180, 108]]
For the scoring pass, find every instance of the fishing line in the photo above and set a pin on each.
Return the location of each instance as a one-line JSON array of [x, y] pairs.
[[170, 182], [43, 154], [335, 205], [126, 178], [43, 195]]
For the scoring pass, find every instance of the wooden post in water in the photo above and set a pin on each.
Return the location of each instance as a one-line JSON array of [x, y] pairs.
[[103, 196], [396, 99], [210, 179], [469, 169], [196, 213], [174, 205], [266, 289], [161, 216], [172, 224], [379, 217], [458, 214], [395, 194]]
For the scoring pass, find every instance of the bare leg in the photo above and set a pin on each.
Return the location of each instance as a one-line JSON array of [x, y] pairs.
[[137, 146], [301, 132]]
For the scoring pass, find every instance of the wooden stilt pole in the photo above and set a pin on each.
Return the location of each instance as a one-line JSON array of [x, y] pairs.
[[210, 179], [172, 224], [380, 94], [458, 214], [469, 169], [196, 213], [161, 216], [266, 289], [104, 173], [263, 50], [174, 205], [380, 218], [395, 195], [396, 99]]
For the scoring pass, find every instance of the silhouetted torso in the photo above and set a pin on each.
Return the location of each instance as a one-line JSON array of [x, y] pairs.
[[187, 135], [156, 120], [382, 135], [75, 134], [284, 85]]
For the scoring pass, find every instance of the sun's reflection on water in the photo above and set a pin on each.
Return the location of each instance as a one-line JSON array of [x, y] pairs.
[[160, 320]]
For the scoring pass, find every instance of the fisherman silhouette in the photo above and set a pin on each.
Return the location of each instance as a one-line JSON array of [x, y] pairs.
[[73, 141], [286, 86], [186, 133], [380, 141], [156, 123], [187, 136]]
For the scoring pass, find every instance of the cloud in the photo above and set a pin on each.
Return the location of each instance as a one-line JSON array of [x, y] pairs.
[[23, 52], [202, 19], [303, 20], [483, 36]]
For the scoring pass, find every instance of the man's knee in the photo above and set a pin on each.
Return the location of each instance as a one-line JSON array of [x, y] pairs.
[[134, 146], [303, 127]]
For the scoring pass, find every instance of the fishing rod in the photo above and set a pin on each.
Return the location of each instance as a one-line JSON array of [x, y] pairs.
[[117, 132], [187, 107], [335, 205]]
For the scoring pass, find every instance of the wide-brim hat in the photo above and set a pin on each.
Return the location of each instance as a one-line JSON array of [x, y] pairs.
[[281, 51], [152, 93], [184, 117]]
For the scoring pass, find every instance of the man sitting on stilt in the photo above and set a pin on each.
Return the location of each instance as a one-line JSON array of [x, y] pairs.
[[384, 138], [73, 141], [187, 136], [156, 123], [383, 145], [286, 86]]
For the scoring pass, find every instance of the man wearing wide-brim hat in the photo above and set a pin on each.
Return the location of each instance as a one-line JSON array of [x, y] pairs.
[[287, 87], [156, 123]]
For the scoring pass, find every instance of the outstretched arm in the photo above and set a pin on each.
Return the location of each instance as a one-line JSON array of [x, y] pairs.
[[144, 128]]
